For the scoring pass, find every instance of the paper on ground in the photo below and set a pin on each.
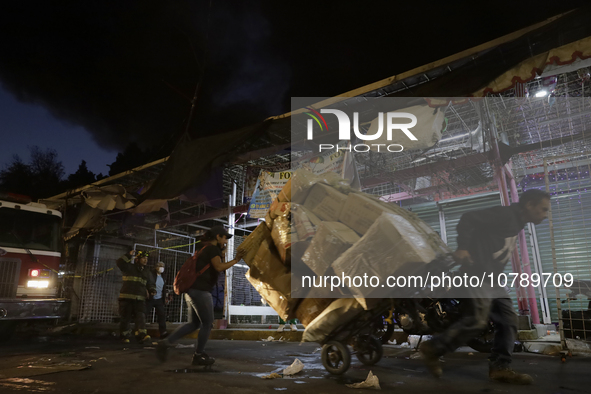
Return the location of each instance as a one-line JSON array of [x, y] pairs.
[[294, 368], [372, 382]]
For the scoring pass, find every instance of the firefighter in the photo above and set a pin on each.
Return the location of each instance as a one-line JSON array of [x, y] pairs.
[[138, 284]]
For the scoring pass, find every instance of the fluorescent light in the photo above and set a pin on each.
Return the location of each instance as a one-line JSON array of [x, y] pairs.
[[541, 93], [39, 284]]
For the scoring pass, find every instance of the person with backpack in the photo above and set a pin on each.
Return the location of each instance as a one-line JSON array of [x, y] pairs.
[[202, 271]]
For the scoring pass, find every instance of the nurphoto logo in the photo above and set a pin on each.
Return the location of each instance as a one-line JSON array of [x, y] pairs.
[[392, 120]]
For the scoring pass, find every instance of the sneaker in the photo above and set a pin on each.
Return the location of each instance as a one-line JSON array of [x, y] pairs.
[[202, 359], [125, 340], [293, 327], [507, 375], [162, 351], [431, 358], [281, 328]]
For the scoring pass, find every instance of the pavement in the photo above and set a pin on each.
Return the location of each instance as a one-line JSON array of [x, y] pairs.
[[91, 365]]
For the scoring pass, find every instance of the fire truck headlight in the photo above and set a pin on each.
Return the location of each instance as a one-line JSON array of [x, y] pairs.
[[38, 284]]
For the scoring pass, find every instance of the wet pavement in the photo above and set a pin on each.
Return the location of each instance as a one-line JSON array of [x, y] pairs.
[[78, 365]]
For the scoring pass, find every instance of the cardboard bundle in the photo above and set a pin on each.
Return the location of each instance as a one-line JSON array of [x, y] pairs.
[[272, 279], [253, 242], [283, 236], [342, 230], [269, 246], [304, 221], [310, 308], [325, 202], [302, 181], [337, 313], [389, 243], [361, 211], [329, 243]]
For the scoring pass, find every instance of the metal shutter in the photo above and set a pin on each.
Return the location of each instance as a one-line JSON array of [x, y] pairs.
[[571, 215]]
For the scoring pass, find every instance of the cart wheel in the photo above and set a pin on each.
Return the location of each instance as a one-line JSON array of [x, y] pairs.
[[336, 357], [369, 350]]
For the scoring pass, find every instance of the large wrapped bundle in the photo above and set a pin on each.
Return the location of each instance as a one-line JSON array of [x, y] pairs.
[[327, 226], [361, 211], [330, 241], [390, 242], [305, 222], [253, 242], [272, 279], [302, 181], [310, 308], [325, 202], [284, 236], [337, 313], [274, 294]]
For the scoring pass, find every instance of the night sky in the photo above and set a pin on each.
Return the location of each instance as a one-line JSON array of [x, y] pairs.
[[87, 78]]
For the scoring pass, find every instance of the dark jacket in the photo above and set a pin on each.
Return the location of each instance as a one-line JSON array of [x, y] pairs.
[[137, 280], [165, 291], [490, 236]]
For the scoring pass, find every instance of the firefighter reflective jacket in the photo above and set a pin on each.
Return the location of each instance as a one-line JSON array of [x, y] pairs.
[[137, 280]]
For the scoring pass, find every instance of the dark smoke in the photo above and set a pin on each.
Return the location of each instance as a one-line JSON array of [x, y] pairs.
[[126, 70]]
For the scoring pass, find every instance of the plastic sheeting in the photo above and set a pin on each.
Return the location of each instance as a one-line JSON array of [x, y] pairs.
[[339, 312]]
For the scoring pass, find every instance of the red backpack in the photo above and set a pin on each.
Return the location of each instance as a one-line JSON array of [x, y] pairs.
[[188, 274]]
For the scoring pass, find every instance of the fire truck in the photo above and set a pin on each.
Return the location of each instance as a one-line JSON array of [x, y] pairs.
[[30, 238]]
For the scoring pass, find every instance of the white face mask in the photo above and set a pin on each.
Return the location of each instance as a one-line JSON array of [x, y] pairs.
[[161, 269]]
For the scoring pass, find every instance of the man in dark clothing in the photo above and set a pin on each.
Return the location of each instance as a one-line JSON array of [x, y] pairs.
[[159, 299], [137, 285], [210, 261], [486, 240]]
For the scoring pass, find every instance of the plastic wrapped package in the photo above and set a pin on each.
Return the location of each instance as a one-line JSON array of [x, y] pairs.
[[305, 222], [337, 313], [268, 262], [325, 202], [310, 308], [303, 180], [272, 280], [274, 293], [362, 210], [330, 241], [269, 220], [283, 237], [278, 209], [253, 242], [390, 243], [433, 238], [285, 193]]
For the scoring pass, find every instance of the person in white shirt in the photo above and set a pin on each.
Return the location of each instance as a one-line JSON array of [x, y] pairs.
[[159, 300]]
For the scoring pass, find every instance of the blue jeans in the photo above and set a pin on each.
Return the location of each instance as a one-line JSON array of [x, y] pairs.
[[200, 311]]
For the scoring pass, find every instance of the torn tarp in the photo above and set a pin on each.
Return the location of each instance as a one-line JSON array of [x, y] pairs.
[[191, 164], [98, 200]]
